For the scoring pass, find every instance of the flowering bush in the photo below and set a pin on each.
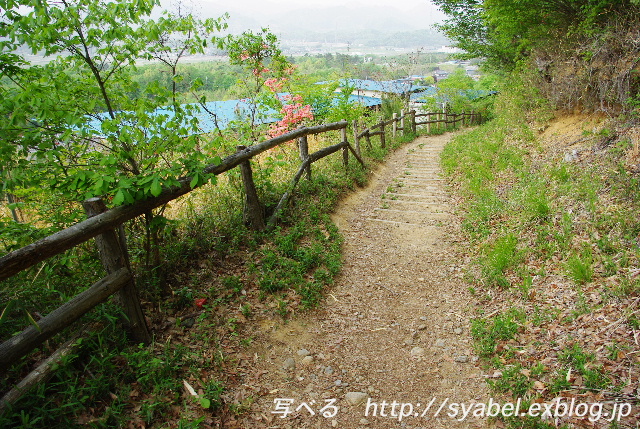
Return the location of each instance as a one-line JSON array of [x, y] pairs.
[[270, 73], [293, 114], [275, 84]]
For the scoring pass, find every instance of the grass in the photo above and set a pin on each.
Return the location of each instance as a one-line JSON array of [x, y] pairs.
[[512, 380], [488, 333], [552, 245], [96, 377], [580, 266], [498, 257]]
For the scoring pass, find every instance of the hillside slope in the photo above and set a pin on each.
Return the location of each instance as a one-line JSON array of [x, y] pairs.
[[551, 218]]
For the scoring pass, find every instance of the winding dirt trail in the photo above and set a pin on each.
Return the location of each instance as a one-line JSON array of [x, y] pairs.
[[396, 325]]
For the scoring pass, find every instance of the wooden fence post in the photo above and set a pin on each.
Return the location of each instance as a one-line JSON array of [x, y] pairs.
[[383, 142], [414, 122], [303, 144], [394, 125], [404, 130], [356, 140], [345, 149], [253, 212], [112, 249], [429, 123], [368, 136]]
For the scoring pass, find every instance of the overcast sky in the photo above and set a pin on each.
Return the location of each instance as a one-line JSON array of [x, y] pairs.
[[417, 13], [298, 3]]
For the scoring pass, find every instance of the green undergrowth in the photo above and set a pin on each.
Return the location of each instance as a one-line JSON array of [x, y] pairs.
[[215, 279], [554, 243]]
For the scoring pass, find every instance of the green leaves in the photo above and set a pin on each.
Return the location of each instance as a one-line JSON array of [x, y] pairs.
[[156, 189], [507, 31], [73, 124], [205, 403]]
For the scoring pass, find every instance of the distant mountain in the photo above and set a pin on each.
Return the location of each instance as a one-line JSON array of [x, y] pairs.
[[315, 23], [340, 19]]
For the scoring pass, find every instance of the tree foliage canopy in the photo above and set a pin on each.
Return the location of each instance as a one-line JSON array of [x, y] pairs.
[[505, 31], [72, 123]]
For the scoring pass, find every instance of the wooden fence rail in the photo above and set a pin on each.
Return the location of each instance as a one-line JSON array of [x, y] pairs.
[[106, 226], [22, 343], [61, 241]]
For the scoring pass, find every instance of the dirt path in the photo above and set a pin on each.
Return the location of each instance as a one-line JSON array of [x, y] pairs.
[[394, 328]]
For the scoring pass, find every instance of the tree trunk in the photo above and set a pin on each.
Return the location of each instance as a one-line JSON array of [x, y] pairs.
[[253, 209]]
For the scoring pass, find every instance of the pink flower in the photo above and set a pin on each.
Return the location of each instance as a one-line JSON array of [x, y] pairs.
[[260, 71], [275, 84], [293, 114]]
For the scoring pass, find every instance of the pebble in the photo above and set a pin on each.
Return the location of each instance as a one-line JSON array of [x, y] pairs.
[[356, 398], [461, 359], [307, 360], [364, 422], [440, 343], [334, 423], [303, 352], [423, 317], [417, 351], [289, 364], [422, 327], [328, 370], [458, 331]]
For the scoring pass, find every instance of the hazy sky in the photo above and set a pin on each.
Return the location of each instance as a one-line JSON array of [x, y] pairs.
[[416, 13], [298, 3]]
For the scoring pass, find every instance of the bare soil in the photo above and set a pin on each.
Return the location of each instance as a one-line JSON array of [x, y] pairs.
[[395, 327]]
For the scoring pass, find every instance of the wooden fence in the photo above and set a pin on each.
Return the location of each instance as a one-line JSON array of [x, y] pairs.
[[106, 226], [443, 121]]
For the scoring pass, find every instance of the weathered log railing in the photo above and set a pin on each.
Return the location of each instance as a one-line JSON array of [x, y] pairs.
[[106, 226], [103, 224], [444, 121], [449, 120]]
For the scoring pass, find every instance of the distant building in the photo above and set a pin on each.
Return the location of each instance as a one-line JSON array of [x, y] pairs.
[[450, 50], [379, 89], [438, 75], [213, 115]]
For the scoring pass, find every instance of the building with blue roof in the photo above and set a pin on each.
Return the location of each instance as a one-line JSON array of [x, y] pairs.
[[214, 115], [380, 89], [211, 116], [368, 102]]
